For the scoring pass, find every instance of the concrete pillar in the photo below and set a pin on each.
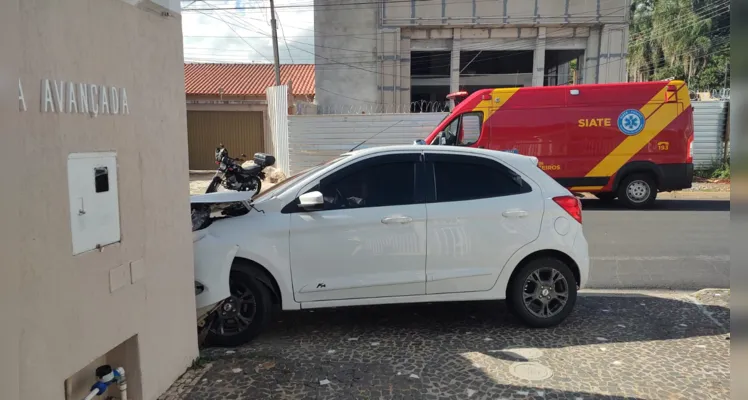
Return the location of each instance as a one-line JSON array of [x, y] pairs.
[[592, 57], [454, 70], [538, 63]]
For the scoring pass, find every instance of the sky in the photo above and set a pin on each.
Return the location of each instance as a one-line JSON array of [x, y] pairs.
[[245, 35]]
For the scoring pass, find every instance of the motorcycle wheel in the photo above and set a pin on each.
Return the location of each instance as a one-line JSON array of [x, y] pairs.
[[254, 185], [213, 185]]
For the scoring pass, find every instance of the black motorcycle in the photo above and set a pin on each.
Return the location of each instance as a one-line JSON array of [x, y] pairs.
[[232, 176]]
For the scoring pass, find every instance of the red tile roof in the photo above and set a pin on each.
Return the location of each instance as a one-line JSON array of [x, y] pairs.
[[246, 79]]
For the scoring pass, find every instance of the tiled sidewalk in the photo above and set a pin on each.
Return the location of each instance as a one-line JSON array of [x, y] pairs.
[[614, 346]]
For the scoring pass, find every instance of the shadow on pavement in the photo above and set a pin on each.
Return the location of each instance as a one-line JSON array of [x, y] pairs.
[[661, 205], [611, 347]]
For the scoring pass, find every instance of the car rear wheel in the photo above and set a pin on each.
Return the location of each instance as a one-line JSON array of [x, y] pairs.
[[245, 314], [638, 191], [542, 293]]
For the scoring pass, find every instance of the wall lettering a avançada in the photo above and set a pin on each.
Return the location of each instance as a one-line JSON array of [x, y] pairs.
[[64, 97]]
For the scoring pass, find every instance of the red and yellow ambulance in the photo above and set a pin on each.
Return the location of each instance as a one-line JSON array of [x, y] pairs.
[[625, 140]]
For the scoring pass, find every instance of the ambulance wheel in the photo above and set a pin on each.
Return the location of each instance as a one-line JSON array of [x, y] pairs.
[[606, 197], [638, 191]]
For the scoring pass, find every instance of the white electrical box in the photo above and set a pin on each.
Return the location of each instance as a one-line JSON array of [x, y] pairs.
[[94, 200]]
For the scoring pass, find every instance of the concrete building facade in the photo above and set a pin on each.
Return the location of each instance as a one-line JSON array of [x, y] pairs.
[[95, 236], [396, 52]]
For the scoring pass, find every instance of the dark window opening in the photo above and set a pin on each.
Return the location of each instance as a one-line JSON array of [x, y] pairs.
[[563, 67], [430, 74], [101, 179]]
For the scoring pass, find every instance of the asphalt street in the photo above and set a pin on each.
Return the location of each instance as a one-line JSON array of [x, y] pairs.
[[681, 244]]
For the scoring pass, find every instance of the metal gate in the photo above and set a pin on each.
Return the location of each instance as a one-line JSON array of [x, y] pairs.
[[240, 131]]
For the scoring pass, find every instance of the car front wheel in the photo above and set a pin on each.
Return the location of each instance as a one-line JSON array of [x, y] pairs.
[[245, 314], [542, 293]]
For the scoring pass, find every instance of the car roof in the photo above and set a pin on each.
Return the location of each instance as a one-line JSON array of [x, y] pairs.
[[501, 155]]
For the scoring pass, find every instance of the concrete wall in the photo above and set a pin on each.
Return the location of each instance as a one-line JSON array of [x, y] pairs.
[[346, 69], [502, 12], [132, 302]]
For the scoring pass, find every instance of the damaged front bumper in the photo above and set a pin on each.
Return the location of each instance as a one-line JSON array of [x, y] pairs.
[[213, 259]]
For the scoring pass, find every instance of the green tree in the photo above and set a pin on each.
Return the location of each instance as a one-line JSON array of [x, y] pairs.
[[683, 39]]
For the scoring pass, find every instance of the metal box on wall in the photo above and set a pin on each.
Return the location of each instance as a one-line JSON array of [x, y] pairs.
[[94, 200]]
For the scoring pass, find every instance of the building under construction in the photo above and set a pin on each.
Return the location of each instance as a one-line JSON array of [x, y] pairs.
[[391, 54]]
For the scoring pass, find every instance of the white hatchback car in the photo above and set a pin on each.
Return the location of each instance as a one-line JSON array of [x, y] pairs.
[[400, 224]]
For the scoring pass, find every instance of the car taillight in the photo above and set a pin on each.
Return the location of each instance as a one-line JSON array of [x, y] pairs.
[[571, 205]]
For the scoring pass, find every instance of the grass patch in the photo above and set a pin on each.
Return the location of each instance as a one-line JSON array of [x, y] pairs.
[[716, 170]]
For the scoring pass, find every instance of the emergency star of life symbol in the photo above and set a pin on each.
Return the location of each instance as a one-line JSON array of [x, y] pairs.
[[631, 122]]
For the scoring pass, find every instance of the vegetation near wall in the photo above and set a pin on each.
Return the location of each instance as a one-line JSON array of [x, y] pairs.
[[682, 39]]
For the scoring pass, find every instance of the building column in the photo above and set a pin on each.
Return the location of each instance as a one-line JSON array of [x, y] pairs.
[[592, 57], [454, 69], [538, 63]]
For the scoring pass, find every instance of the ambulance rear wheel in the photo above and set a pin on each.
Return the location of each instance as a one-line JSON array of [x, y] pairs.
[[638, 191]]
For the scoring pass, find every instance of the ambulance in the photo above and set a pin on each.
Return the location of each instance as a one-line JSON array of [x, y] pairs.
[[625, 141]]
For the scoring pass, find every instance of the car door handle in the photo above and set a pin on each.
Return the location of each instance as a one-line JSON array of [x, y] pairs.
[[397, 219], [515, 213]]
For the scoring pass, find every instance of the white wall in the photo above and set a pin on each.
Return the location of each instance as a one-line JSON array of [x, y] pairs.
[[314, 139]]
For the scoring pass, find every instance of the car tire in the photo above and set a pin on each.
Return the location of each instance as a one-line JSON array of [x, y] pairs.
[[250, 309], [523, 286], [606, 197], [638, 191]]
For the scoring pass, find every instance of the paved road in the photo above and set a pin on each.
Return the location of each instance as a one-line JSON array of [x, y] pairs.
[[682, 244]]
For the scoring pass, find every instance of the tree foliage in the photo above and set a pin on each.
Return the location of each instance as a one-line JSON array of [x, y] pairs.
[[682, 39]]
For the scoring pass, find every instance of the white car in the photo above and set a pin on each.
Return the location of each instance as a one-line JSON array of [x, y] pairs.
[[400, 224]]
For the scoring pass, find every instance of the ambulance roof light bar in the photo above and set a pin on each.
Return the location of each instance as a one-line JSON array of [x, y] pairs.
[[457, 95]]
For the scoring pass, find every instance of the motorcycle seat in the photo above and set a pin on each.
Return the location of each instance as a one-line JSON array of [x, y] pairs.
[[251, 170]]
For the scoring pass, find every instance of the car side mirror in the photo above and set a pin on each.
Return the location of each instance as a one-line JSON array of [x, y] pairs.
[[311, 200], [419, 142]]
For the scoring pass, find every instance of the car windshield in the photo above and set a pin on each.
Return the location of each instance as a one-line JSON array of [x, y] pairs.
[[288, 182]]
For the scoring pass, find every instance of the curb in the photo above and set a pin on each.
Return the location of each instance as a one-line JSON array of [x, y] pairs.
[[696, 195], [682, 196]]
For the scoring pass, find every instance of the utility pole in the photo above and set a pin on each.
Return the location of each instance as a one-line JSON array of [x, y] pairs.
[[276, 58]]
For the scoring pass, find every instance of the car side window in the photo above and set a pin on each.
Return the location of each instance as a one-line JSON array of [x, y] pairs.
[[462, 178], [464, 130], [451, 132], [375, 185]]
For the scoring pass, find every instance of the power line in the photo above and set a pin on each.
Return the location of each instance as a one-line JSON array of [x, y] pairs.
[[413, 60], [335, 62], [283, 33], [237, 33], [394, 3], [464, 48], [616, 9], [504, 48]]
